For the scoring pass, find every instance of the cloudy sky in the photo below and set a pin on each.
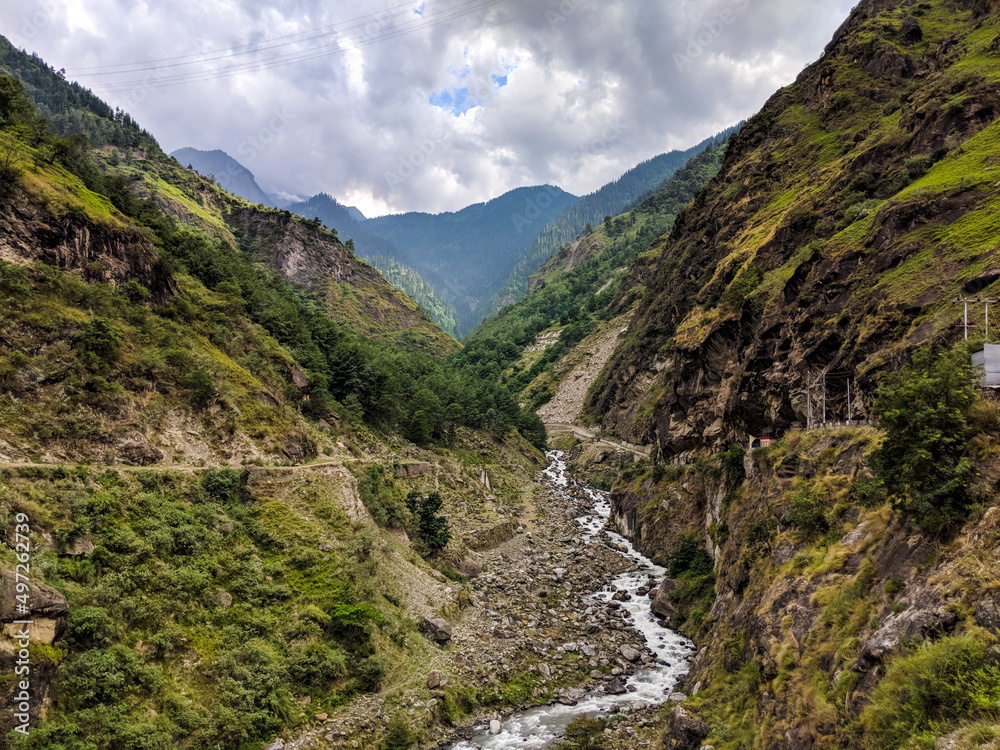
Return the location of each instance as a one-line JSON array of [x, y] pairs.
[[429, 105]]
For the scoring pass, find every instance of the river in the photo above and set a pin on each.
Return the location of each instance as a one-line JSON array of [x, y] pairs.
[[543, 726]]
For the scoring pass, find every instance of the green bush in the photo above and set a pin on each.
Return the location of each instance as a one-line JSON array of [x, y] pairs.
[[690, 556], [101, 339], [315, 665], [807, 514], [932, 689], [400, 736], [923, 462]]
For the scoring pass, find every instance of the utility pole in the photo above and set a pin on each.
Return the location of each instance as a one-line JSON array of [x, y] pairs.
[[850, 413], [824, 399], [966, 303], [809, 401]]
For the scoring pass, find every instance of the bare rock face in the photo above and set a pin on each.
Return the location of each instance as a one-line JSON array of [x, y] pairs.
[[436, 629], [988, 615], [48, 611], [684, 732]]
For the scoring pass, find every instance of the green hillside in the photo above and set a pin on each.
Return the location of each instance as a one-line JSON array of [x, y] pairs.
[[464, 254], [591, 211], [848, 216], [581, 285]]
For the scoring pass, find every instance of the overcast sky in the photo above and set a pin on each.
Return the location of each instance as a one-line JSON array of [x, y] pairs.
[[429, 105]]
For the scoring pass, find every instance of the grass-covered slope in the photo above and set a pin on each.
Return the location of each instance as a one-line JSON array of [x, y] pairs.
[[848, 216]]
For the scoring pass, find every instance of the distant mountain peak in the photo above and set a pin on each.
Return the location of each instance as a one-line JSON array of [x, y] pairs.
[[232, 176]]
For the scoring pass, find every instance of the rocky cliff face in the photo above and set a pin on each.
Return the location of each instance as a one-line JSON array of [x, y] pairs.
[[109, 251], [356, 293], [847, 217]]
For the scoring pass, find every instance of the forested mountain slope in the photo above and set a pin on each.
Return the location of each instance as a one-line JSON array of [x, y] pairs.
[[392, 262], [465, 254], [592, 210], [210, 415], [848, 216], [580, 288]]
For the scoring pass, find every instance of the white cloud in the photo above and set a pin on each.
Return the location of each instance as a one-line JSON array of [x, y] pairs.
[[591, 89]]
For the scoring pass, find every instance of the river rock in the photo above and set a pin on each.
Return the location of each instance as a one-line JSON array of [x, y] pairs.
[[616, 687], [661, 605], [630, 654], [684, 732], [436, 629], [495, 727]]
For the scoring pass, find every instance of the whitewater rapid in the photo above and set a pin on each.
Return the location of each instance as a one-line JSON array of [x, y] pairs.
[[542, 726]]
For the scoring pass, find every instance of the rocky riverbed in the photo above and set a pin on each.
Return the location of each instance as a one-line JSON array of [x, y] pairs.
[[559, 617]]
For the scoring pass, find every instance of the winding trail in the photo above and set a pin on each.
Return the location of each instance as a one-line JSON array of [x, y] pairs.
[[561, 415]]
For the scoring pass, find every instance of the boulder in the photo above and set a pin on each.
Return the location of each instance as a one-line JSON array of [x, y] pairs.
[[916, 621], [988, 615], [495, 727], [684, 732], [279, 745], [82, 547], [661, 604], [630, 654], [615, 687], [436, 629], [224, 598], [436, 680], [544, 671]]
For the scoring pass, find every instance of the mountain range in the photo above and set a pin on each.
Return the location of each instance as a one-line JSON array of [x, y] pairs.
[[252, 496]]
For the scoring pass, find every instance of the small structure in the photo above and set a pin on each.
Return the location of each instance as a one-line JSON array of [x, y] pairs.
[[761, 442], [987, 362]]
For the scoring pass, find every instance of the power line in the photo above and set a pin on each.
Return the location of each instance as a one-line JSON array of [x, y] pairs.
[[465, 9], [250, 47]]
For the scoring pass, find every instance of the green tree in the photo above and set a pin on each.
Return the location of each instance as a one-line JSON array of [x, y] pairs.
[[433, 528], [923, 462]]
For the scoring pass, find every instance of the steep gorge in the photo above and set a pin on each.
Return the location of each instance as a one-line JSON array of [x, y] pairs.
[[847, 217]]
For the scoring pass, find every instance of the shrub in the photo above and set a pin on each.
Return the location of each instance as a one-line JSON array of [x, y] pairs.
[[923, 462], [807, 513], [203, 389], [689, 556], [315, 665], [400, 736], [932, 689], [101, 339]]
